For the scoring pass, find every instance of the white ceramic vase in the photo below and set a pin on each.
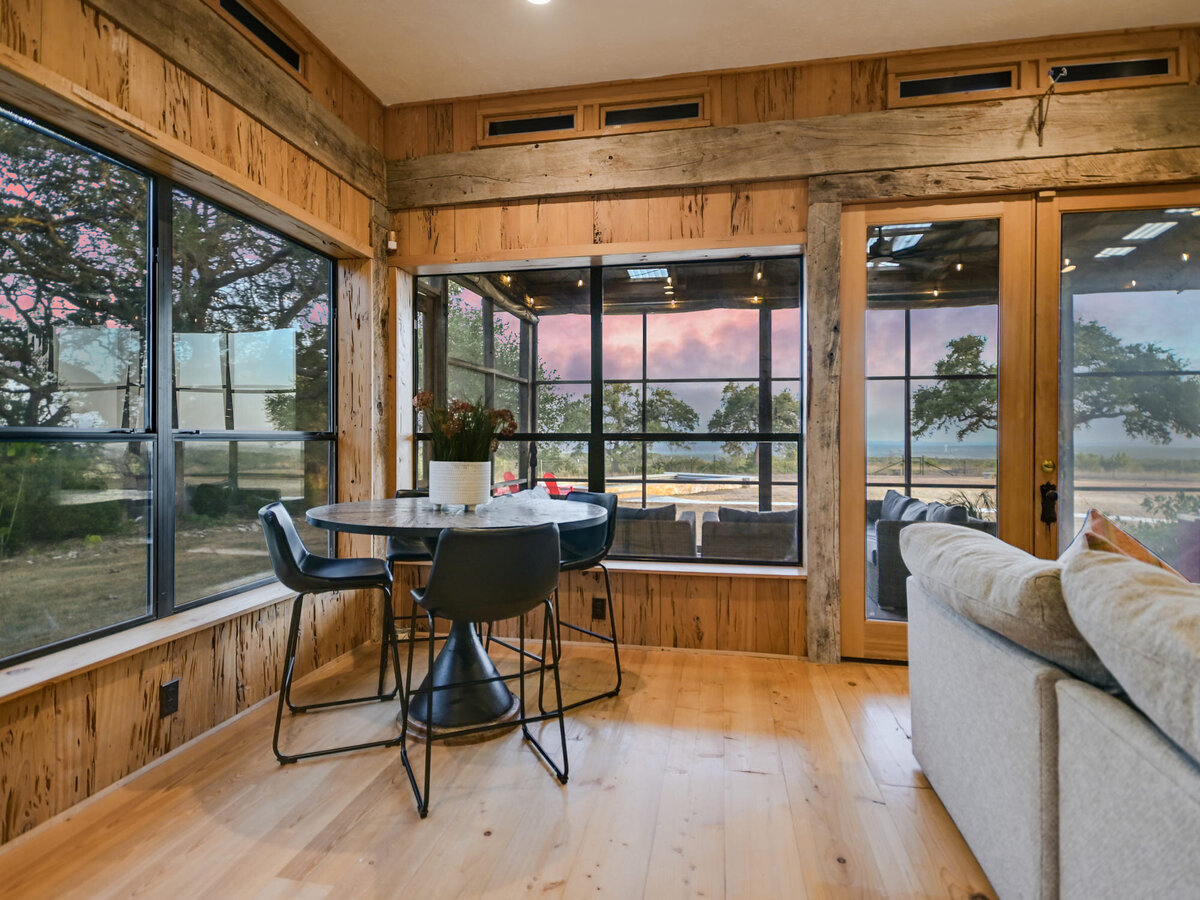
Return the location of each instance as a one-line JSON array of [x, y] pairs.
[[459, 483]]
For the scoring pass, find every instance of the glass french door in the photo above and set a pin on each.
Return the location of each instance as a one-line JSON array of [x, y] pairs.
[[937, 392], [1118, 418]]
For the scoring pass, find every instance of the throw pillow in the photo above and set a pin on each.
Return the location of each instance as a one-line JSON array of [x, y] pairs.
[[1101, 533], [893, 504], [1003, 589], [1144, 624], [952, 515], [914, 512], [750, 517], [653, 513]]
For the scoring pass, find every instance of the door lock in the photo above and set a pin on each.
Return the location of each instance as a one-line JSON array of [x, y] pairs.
[[1049, 502]]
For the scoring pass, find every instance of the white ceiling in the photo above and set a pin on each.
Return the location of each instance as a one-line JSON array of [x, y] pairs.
[[409, 50]]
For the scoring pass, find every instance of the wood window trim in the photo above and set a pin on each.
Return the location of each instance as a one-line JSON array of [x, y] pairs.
[[485, 118], [1020, 78], [288, 31], [589, 114], [1176, 74], [1033, 60]]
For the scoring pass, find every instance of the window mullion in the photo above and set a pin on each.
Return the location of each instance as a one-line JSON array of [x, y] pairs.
[[161, 402]]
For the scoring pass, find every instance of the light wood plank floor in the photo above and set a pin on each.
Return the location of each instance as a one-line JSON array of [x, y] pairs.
[[716, 776]]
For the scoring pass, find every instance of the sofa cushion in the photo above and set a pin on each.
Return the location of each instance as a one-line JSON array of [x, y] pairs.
[[1101, 533], [750, 517], [893, 504], [953, 515], [1144, 623], [1002, 588], [656, 513], [914, 512]]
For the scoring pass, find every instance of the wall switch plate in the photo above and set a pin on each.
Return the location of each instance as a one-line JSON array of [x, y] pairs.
[[168, 698], [599, 608]]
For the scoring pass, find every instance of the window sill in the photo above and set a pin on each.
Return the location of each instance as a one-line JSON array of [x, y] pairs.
[[29, 676], [649, 567], [699, 568]]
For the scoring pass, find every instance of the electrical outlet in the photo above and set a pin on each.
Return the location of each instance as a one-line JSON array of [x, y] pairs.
[[599, 608], [168, 698]]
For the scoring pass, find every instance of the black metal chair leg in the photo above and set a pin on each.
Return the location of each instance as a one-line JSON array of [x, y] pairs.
[[285, 687], [383, 649], [612, 629], [424, 807], [542, 670], [613, 639], [422, 797], [560, 773]]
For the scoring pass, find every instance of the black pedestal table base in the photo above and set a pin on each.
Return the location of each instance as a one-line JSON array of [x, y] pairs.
[[463, 658]]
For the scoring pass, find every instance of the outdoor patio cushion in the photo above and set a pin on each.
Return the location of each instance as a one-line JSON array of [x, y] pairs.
[[663, 513], [749, 516], [893, 505]]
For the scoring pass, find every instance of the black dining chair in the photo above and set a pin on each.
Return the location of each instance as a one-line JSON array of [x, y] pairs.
[[486, 575], [405, 549], [306, 573], [584, 549]]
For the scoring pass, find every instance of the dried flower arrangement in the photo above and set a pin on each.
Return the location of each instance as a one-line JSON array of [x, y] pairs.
[[462, 431]]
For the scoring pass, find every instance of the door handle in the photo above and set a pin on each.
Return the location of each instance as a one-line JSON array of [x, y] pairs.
[[1049, 502]]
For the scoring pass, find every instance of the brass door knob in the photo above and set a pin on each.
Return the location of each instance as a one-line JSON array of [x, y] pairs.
[[1048, 465]]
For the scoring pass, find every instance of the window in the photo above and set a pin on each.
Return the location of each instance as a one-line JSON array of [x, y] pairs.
[[697, 370], [932, 329], [1129, 377], [142, 424]]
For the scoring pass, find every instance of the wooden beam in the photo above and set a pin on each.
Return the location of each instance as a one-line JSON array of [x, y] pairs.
[[193, 36], [822, 444], [1080, 124], [1012, 176], [36, 90]]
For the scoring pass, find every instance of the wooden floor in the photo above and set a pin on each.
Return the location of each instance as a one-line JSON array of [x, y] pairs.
[[710, 776]]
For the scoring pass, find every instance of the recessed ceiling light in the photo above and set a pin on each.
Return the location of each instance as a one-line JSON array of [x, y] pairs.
[[539, 2], [646, 274], [1149, 230]]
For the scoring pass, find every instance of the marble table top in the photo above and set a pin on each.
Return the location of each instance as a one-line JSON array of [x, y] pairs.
[[417, 517]]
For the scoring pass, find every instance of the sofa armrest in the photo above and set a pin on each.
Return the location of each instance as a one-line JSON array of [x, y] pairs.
[[891, 592], [874, 510]]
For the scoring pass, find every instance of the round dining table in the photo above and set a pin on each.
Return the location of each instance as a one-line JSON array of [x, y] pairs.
[[463, 656]]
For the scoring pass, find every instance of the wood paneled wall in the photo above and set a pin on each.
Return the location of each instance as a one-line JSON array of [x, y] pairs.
[[158, 101], [68, 739], [768, 94], [707, 612], [741, 215]]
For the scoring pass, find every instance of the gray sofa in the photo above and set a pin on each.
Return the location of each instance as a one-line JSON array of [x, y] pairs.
[[1060, 784], [886, 519]]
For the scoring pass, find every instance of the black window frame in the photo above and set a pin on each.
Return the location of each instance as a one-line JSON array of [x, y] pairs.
[[156, 427], [430, 368]]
